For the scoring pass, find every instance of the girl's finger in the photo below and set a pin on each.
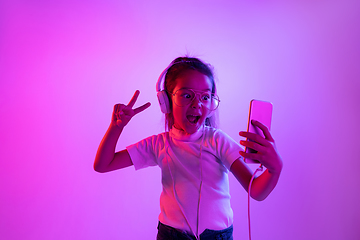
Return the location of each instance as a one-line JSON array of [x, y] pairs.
[[264, 129], [253, 156], [116, 111], [255, 137], [253, 145], [116, 107], [133, 99], [141, 108]]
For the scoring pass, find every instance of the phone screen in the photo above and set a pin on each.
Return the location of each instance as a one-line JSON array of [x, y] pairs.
[[262, 112]]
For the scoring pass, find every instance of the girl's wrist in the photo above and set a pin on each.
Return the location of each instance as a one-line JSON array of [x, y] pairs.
[[276, 171], [115, 127]]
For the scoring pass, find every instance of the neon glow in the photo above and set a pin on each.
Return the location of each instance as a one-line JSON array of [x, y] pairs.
[[63, 65]]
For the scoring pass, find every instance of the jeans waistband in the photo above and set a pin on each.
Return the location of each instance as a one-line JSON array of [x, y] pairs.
[[168, 232]]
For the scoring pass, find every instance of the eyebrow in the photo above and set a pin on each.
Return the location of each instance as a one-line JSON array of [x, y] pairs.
[[207, 89]]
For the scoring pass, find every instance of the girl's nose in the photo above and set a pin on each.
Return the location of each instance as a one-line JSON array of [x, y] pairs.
[[196, 103]]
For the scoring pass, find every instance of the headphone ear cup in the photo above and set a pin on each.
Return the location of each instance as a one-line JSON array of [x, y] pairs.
[[164, 102]]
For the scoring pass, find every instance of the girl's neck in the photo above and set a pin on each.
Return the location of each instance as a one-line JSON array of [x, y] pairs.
[[183, 135]]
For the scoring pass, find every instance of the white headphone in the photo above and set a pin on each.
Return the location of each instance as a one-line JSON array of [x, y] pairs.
[[161, 94]]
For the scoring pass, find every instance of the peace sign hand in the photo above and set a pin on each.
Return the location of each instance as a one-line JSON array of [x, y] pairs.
[[122, 114], [266, 154]]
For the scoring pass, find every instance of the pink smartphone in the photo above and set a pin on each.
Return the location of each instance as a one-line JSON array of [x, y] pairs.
[[262, 112]]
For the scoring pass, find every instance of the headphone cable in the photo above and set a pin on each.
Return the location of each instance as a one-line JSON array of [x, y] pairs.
[[249, 189]]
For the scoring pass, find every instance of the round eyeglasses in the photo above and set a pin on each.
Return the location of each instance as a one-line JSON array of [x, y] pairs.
[[184, 97]]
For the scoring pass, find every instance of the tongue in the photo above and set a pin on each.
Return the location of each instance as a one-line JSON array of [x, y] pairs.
[[192, 119]]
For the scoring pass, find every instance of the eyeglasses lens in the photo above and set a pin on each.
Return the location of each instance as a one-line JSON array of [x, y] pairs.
[[184, 97]]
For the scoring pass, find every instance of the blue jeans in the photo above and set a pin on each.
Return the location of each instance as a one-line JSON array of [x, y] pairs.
[[169, 233]]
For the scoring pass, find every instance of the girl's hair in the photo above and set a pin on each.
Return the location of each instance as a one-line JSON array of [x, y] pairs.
[[178, 66]]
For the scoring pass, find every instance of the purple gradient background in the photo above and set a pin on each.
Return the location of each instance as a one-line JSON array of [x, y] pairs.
[[64, 64]]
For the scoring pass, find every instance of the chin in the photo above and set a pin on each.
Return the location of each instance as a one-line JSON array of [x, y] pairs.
[[189, 127], [194, 128]]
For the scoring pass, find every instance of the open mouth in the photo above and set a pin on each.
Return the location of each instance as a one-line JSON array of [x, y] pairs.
[[193, 119]]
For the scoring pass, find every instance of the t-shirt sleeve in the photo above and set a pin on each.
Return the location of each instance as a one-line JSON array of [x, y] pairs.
[[227, 148], [143, 153]]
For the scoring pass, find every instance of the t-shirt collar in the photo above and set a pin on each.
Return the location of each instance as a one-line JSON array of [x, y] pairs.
[[183, 136]]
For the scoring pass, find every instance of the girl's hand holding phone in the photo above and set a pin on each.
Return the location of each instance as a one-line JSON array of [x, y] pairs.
[[122, 114], [266, 153]]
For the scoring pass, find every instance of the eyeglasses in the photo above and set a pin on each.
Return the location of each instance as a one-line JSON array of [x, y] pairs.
[[184, 97]]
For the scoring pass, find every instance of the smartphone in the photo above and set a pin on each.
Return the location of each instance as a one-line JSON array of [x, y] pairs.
[[262, 112]]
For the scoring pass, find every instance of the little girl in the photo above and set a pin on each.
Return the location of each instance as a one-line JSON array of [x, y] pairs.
[[193, 155]]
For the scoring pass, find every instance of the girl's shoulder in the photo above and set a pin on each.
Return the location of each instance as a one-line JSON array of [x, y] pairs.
[[215, 132], [155, 139], [159, 135], [220, 140]]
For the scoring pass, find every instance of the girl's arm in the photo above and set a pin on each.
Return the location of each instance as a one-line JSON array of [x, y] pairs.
[[267, 155], [106, 159]]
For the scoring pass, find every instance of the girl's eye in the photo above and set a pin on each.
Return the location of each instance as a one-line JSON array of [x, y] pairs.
[[186, 95], [205, 97]]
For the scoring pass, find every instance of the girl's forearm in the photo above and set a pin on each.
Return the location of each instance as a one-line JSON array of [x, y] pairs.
[[263, 185], [106, 151]]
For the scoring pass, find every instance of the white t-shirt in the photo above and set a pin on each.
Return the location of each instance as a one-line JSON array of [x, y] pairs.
[[183, 170]]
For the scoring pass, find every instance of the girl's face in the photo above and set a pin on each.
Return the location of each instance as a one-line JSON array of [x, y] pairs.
[[191, 117]]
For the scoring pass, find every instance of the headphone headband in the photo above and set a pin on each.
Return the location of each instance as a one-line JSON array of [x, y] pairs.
[[163, 74]]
